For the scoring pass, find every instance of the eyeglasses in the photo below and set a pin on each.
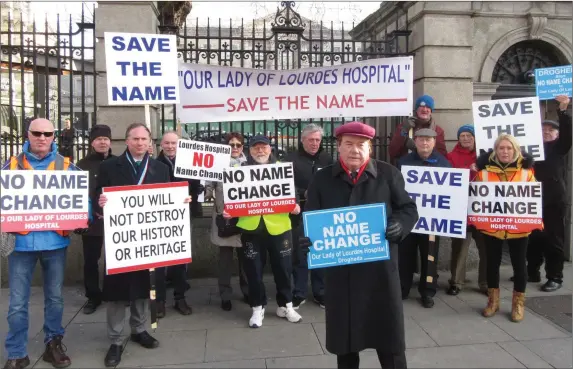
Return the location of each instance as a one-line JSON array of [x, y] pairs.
[[38, 133], [236, 146]]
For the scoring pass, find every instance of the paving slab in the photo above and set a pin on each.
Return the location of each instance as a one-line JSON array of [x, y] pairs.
[[265, 342], [260, 363], [531, 327], [318, 361], [555, 351], [555, 308], [524, 355]]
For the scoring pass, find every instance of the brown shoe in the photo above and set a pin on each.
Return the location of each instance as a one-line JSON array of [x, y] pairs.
[[55, 353], [492, 302], [17, 363], [517, 308]]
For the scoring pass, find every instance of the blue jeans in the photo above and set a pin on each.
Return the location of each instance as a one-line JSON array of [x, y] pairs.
[[20, 270]]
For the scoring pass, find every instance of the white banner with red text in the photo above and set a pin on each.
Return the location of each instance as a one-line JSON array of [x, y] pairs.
[[259, 189], [146, 226], [42, 200], [201, 160], [370, 88], [515, 207]]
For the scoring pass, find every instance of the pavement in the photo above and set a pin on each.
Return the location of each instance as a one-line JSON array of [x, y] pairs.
[[453, 334]]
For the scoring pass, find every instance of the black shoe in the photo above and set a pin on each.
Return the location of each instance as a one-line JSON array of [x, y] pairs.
[[427, 302], [91, 306], [17, 363], [551, 286], [226, 305], [113, 356], [160, 309], [320, 301], [145, 340], [297, 301], [453, 290], [182, 307]]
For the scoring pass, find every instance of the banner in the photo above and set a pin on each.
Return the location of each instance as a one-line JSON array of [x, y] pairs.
[[343, 236], [259, 189], [201, 160], [43, 200], [441, 195], [520, 118], [140, 68], [370, 88], [552, 82], [505, 206], [146, 226]]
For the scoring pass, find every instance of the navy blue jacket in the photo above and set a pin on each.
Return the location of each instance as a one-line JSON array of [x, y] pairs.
[[435, 160]]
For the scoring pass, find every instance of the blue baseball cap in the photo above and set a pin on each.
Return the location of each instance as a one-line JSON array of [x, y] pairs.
[[259, 139]]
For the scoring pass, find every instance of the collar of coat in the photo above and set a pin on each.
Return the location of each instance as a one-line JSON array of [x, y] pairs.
[[337, 170]]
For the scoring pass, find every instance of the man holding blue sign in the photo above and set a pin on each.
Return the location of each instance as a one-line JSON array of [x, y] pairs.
[[362, 297]]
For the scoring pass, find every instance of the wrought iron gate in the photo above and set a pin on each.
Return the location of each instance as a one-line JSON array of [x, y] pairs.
[[47, 70], [284, 40]]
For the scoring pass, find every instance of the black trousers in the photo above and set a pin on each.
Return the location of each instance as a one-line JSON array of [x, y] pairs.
[[279, 248], [407, 254], [178, 274], [92, 246], [548, 244], [517, 253], [387, 361]]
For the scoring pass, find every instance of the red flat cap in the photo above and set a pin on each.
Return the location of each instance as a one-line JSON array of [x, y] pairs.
[[355, 129]]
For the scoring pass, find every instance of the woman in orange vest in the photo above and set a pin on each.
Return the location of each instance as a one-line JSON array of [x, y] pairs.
[[506, 163]]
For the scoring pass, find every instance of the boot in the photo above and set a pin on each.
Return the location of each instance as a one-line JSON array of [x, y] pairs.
[[55, 353], [517, 306], [492, 302]]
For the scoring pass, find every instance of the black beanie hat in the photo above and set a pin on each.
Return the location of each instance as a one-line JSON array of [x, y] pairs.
[[100, 130]]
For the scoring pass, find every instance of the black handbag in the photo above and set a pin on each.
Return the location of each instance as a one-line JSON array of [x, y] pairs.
[[226, 227]]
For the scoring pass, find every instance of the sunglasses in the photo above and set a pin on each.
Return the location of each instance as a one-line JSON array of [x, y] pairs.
[[38, 133], [236, 146]]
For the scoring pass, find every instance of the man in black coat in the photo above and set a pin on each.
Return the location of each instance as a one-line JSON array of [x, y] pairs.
[[424, 155], [552, 173], [92, 238], [67, 137], [133, 167], [363, 301], [307, 160]]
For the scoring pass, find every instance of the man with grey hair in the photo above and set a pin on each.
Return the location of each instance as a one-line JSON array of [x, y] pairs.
[[307, 160]]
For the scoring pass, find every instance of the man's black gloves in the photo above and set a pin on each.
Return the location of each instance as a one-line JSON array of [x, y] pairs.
[[81, 231], [200, 189], [304, 243], [394, 231], [410, 144]]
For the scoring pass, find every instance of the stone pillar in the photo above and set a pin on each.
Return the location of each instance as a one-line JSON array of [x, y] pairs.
[[122, 16], [484, 90]]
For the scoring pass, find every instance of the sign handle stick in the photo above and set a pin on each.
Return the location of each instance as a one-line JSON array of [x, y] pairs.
[[152, 301], [411, 135], [432, 267], [147, 116]]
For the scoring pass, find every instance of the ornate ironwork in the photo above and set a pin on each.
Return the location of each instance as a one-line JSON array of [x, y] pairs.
[[287, 20]]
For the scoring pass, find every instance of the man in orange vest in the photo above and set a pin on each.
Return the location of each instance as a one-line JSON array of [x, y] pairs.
[[49, 247]]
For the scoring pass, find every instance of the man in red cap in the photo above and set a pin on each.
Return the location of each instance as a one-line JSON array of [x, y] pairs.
[[363, 301]]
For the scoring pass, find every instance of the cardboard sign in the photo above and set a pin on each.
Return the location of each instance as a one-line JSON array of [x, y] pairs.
[[520, 118], [349, 235], [369, 88], [441, 195], [505, 206], [201, 160], [146, 226], [43, 200], [552, 82], [259, 189], [141, 68]]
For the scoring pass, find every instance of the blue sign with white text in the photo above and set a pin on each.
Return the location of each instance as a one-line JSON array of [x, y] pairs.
[[343, 236], [552, 82]]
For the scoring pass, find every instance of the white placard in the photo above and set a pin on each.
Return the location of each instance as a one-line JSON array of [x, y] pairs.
[[369, 88], [520, 118], [201, 160], [441, 195], [146, 226], [141, 68]]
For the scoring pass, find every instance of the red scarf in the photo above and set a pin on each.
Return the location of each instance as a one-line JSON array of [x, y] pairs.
[[349, 172]]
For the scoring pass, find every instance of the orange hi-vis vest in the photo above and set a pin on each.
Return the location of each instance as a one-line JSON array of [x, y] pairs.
[[21, 163]]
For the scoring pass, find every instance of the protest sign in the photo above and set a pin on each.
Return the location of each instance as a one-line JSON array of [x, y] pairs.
[[376, 87], [349, 235], [441, 195], [201, 160], [259, 189], [43, 200], [552, 82], [146, 226], [141, 68], [505, 206], [520, 118]]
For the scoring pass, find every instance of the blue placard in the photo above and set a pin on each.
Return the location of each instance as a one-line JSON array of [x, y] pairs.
[[552, 82], [350, 235]]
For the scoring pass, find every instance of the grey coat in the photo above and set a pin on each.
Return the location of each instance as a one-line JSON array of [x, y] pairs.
[[215, 190]]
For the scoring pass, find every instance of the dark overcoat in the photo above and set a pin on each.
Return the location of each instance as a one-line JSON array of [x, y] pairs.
[[118, 171], [364, 301]]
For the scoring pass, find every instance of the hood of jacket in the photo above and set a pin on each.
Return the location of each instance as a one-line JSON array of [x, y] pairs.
[[488, 161], [36, 162]]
